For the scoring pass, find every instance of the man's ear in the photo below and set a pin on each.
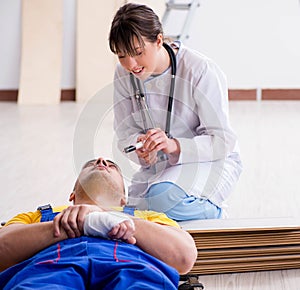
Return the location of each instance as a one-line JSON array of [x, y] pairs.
[[72, 196]]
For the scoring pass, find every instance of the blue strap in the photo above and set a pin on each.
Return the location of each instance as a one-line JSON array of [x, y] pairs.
[[129, 209], [47, 213]]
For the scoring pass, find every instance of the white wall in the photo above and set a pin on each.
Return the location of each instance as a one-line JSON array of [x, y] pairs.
[[69, 47], [256, 42], [10, 43]]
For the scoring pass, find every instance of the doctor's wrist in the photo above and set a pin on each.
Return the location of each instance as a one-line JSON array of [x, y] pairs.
[[175, 152], [175, 147]]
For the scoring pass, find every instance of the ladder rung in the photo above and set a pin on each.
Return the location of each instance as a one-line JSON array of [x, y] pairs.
[[178, 6]]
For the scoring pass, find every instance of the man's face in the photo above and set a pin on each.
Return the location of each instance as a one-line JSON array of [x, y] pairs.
[[102, 181]]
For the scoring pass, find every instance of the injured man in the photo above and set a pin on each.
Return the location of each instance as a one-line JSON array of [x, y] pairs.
[[97, 243]]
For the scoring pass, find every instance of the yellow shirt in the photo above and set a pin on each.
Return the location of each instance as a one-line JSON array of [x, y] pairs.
[[152, 216]]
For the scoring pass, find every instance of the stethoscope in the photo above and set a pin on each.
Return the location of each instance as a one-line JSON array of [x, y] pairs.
[[142, 104]]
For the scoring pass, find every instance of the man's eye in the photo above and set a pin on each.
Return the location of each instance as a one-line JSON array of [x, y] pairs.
[[121, 56], [114, 166]]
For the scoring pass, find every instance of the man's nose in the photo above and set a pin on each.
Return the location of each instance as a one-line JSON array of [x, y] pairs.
[[101, 161]]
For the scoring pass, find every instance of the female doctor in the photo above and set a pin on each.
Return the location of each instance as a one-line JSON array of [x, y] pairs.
[[171, 117]]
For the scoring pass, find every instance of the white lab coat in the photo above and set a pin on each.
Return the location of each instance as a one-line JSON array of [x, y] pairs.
[[209, 163]]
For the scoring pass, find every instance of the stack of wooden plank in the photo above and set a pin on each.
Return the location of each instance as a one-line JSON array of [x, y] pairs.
[[243, 245]]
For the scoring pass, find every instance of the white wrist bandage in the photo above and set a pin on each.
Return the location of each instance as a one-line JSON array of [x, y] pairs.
[[100, 223]]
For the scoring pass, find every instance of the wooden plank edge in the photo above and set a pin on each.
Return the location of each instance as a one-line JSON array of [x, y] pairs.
[[233, 95], [277, 94], [12, 95]]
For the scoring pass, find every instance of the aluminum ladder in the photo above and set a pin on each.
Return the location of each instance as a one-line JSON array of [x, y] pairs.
[[189, 7]]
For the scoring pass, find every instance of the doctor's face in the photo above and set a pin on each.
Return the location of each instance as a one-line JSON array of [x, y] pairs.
[[145, 61]]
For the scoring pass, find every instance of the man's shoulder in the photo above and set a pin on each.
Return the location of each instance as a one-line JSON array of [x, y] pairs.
[[152, 216], [32, 216], [156, 217], [59, 208]]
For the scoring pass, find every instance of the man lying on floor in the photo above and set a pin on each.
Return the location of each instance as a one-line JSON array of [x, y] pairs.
[[92, 244]]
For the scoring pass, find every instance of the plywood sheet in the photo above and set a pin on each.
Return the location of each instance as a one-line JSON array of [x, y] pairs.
[[95, 62], [41, 56], [244, 245]]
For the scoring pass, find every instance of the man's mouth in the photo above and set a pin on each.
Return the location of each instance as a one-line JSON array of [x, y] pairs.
[[101, 167]]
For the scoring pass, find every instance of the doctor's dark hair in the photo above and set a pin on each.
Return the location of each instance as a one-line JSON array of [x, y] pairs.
[[133, 21]]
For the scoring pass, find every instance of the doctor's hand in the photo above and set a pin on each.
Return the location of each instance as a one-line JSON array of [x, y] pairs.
[[154, 141], [149, 158]]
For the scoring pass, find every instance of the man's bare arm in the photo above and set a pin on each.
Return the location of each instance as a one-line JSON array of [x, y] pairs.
[[171, 245], [21, 241]]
